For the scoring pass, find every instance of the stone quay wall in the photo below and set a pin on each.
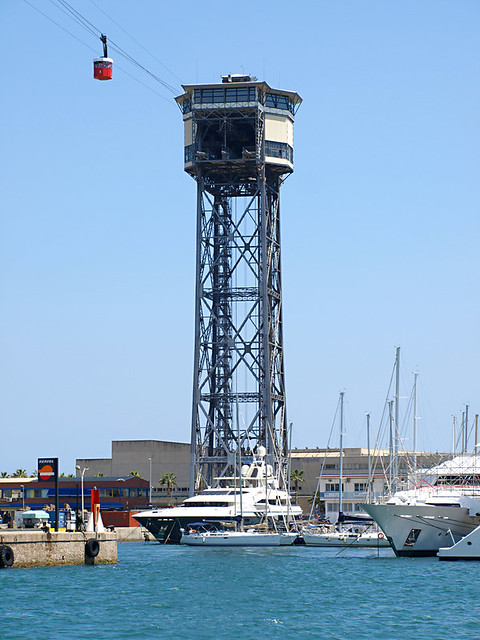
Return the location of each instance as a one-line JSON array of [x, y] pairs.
[[43, 549]]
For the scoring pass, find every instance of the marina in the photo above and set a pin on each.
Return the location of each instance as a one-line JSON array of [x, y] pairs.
[[288, 592], [174, 270]]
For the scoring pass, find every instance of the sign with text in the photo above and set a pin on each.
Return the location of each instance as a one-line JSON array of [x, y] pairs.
[[47, 469]]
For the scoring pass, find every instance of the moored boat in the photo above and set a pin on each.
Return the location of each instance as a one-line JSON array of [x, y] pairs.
[[319, 537], [252, 497], [419, 521], [207, 534]]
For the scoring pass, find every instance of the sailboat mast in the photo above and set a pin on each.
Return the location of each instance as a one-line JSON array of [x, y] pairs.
[[369, 460], [340, 484], [396, 426], [390, 444], [454, 448], [415, 375], [289, 472], [476, 434], [466, 428], [240, 483]]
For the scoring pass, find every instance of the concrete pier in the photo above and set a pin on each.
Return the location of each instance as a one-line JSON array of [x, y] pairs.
[[43, 549]]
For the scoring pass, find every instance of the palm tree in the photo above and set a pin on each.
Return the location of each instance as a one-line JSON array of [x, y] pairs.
[[99, 475], [134, 473], [168, 480], [20, 473], [4, 474], [296, 476]]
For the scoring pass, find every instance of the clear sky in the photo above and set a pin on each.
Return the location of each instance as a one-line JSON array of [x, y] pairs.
[[380, 221]]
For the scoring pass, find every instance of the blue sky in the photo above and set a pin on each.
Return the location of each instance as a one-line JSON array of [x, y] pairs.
[[380, 221]]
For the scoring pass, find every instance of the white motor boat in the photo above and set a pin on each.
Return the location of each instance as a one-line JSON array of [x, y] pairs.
[[261, 497], [419, 521], [468, 548]]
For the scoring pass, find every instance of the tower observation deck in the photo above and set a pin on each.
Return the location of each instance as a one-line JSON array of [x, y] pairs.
[[239, 149]]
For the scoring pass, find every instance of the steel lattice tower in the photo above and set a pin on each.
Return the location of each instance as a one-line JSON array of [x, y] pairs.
[[239, 149]]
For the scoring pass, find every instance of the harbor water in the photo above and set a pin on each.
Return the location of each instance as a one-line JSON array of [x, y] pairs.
[[165, 592]]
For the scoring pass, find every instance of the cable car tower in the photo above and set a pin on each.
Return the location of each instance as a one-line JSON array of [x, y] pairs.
[[239, 149]]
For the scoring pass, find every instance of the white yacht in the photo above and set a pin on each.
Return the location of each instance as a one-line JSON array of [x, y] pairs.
[[468, 548], [207, 535], [440, 511], [323, 537], [261, 496]]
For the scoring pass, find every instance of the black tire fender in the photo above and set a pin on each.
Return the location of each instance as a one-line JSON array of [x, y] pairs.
[[7, 556], [92, 548]]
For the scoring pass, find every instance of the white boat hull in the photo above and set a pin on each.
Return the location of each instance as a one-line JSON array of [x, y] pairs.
[[234, 539], [420, 530], [468, 548], [337, 539]]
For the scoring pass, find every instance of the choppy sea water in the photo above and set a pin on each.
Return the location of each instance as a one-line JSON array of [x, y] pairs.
[[243, 593]]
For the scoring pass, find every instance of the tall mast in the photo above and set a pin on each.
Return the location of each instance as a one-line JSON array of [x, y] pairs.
[[454, 448], [390, 443], [466, 428], [340, 487], [415, 376], [369, 461], [396, 425]]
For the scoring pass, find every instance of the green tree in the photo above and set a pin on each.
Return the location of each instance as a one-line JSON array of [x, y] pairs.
[[296, 476], [4, 474], [318, 504], [168, 480], [134, 474], [99, 475], [20, 473]]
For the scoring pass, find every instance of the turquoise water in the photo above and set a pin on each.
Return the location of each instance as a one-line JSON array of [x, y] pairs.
[[288, 593]]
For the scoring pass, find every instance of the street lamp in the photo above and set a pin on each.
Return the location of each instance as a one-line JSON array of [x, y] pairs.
[[83, 498], [150, 482]]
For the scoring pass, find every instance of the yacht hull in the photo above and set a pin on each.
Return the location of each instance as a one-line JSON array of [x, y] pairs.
[[420, 530], [335, 539], [166, 527], [468, 548], [233, 539]]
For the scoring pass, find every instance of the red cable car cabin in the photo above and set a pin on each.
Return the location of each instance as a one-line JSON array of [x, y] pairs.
[[102, 68]]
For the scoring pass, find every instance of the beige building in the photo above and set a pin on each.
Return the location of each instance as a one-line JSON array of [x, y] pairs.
[[151, 459], [322, 467]]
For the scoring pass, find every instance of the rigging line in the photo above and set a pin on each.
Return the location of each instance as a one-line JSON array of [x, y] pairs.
[[59, 25], [91, 28], [143, 84], [132, 60], [135, 40], [77, 16], [94, 50]]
